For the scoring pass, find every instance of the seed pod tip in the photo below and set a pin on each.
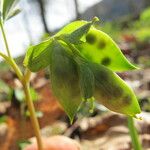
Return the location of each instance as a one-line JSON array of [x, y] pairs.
[[137, 116]]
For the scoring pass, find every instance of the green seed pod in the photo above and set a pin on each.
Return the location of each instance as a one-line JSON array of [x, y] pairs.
[[113, 92], [64, 79]]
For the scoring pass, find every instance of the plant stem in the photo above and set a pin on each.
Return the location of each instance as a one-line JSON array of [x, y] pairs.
[[24, 79], [16, 69], [27, 75], [33, 118], [13, 64], [5, 39], [134, 135]]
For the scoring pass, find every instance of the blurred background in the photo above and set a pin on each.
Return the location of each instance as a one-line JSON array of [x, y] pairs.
[[126, 21]]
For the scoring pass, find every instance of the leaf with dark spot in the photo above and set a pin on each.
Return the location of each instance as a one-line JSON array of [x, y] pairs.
[[101, 44], [90, 48], [106, 61], [91, 38], [113, 92]]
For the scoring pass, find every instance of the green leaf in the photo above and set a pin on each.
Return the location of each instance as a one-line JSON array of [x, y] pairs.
[[7, 8], [3, 119], [86, 80], [68, 29], [99, 48], [14, 13], [85, 75], [113, 92], [21, 96], [5, 91], [64, 79], [23, 144], [37, 57], [34, 94], [38, 114], [4, 87], [79, 35]]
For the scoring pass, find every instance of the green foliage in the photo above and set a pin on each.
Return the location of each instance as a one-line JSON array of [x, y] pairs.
[[23, 143], [82, 60], [99, 48], [145, 16], [14, 13], [86, 79], [5, 91], [3, 119], [104, 51], [113, 92], [79, 35], [144, 19], [4, 66], [8, 9], [140, 28], [4, 87], [64, 79], [38, 114], [21, 96], [37, 57], [143, 34]]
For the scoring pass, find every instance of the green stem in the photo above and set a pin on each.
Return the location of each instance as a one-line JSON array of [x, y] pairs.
[[5, 39], [13, 64], [134, 135], [27, 75], [24, 79], [33, 118]]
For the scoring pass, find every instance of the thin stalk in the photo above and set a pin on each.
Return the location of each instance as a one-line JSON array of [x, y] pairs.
[[33, 118], [27, 75], [5, 39], [13, 64], [16, 69], [24, 79], [134, 135]]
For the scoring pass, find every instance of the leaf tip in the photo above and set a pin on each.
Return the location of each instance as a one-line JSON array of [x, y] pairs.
[[95, 19], [71, 119], [134, 67], [138, 117]]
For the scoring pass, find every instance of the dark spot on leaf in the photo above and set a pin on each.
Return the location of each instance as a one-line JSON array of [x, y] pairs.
[[127, 99], [106, 61], [101, 44], [91, 38], [117, 92]]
